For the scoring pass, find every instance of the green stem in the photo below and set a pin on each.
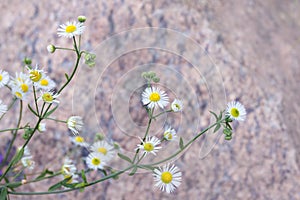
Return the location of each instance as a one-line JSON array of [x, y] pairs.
[[162, 113], [72, 189], [9, 107], [12, 129], [68, 49], [12, 142], [35, 100], [57, 120], [186, 145], [146, 133]]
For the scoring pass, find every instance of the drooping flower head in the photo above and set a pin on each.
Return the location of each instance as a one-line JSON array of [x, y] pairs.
[[177, 105], [70, 29], [150, 145], [170, 133], [153, 96], [75, 124], [236, 111], [4, 78], [167, 178]]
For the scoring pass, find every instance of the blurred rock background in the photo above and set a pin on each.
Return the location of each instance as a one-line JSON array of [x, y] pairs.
[[255, 45]]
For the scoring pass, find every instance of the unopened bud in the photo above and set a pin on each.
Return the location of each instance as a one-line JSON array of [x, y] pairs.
[[81, 18], [51, 48]]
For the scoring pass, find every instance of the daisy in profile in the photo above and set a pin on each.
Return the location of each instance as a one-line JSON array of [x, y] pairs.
[[4, 78], [177, 105], [70, 29], [95, 161], [150, 145], [80, 141], [103, 148], [153, 96], [3, 108], [69, 170], [75, 124], [49, 97], [167, 178], [236, 111], [169, 134]]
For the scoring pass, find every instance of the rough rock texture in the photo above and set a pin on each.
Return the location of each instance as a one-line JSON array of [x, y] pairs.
[[253, 44]]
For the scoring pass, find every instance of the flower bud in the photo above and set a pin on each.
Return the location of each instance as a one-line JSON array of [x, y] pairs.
[[27, 61], [51, 48], [81, 18]]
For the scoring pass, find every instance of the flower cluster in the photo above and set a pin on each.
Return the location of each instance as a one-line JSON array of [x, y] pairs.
[[99, 154]]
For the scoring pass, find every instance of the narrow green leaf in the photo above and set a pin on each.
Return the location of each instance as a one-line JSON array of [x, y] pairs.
[[44, 173], [220, 116], [124, 157], [83, 176], [81, 186], [147, 167], [14, 185], [61, 183], [181, 143], [50, 112], [18, 156], [214, 115], [218, 126], [67, 77], [3, 193], [31, 109], [133, 171]]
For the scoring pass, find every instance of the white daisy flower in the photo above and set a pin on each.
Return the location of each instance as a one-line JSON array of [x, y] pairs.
[[70, 29], [4, 78], [49, 97], [150, 145], [80, 141], [170, 133], [104, 148], [42, 127], [177, 105], [236, 111], [167, 178], [26, 151], [154, 97], [3, 108], [19, 93], [21, 85], [45, 83], [95, 161], [75, 124]]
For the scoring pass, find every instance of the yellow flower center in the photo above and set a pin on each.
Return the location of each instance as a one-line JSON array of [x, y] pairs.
[[102, 150], [177, 106], [24, 87], [154, 96], [166, 177], [35, 76], [79, 139], [19, 95], [148, 146], [96, 161], [1, 77], [70, 29], [234, 112], [44, 82], [47, 97], [168, 135]]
